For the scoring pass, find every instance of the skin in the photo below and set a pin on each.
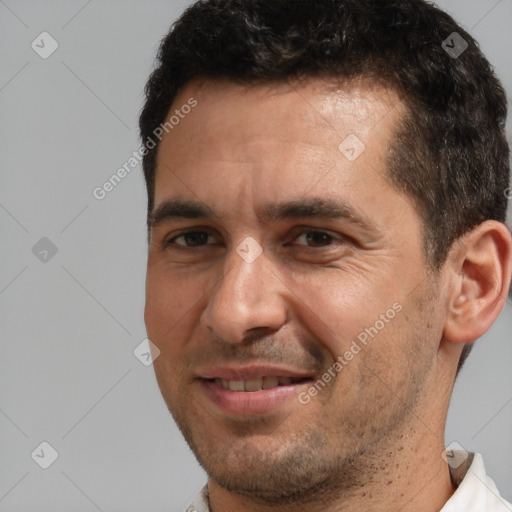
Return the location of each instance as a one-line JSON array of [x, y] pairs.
[[372, 438]]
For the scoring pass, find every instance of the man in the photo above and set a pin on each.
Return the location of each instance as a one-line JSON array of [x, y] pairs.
[[327, 195]]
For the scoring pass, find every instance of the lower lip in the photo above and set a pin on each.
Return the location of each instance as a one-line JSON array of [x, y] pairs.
[[249, 403]]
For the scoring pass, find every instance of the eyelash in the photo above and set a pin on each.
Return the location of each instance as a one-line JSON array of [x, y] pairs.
[[172, 241]]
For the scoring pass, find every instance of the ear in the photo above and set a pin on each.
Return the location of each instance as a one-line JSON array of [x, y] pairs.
[[480, 272]]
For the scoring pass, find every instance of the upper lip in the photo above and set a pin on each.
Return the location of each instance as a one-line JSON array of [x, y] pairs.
[[250, 372]]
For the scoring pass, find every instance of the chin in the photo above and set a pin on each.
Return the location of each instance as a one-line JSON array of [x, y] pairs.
[[272, 471]]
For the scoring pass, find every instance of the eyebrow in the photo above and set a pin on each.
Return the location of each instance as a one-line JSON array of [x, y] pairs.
[[270, 212]]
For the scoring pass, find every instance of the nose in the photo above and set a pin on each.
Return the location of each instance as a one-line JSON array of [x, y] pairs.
[[246, 297]]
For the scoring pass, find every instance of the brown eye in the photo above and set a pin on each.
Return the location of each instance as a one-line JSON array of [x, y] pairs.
[[315, 238], [191, 239]]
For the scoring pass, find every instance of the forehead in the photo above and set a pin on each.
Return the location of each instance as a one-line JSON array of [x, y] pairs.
[[277, 139]]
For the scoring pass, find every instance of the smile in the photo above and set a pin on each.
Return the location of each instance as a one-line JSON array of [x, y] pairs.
[[251, 385]]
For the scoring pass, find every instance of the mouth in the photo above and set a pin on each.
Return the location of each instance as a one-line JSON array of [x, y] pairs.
[[258, 384], [253, 391]]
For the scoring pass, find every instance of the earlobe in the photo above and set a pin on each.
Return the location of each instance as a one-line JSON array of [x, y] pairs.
[[480, 266]]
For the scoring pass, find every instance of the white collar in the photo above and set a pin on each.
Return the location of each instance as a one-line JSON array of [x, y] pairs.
[[476, 492]]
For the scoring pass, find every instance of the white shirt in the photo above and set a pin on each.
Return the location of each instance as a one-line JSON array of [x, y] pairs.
[[475, 491]]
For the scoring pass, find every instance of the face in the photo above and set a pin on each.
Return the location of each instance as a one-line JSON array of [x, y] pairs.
[[287, 288]]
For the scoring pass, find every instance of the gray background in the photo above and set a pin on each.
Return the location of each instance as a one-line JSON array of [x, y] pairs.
[[68, 375]]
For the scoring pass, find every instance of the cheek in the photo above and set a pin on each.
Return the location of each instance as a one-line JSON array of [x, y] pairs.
[[171, 302], [170, 320], [339, 305]]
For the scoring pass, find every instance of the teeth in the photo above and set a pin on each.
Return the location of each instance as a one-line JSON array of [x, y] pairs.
[[270, 382], [236, 385], [255, 384]]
